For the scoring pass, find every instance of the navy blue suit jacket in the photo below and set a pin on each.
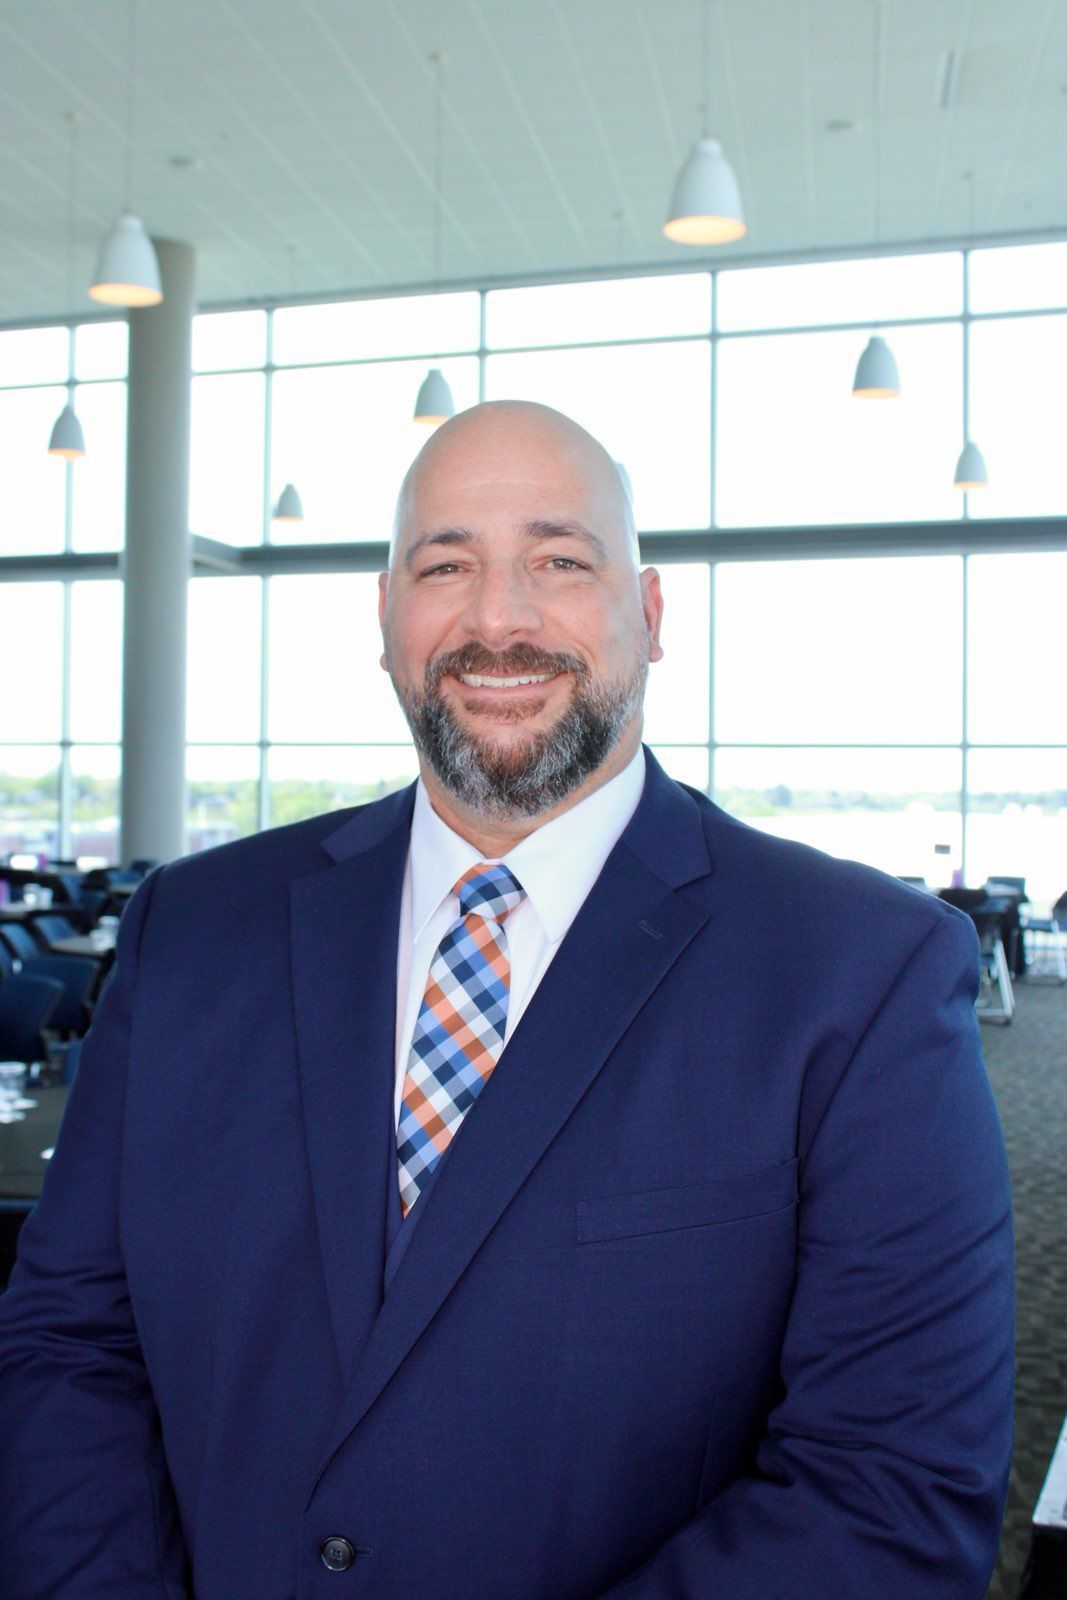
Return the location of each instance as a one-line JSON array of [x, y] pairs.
[[711, 1298]]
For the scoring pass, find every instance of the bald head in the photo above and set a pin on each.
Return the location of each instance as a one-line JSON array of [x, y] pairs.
[[514, 443]]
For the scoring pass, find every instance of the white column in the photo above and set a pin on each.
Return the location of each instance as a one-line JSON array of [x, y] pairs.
[[156, 564]]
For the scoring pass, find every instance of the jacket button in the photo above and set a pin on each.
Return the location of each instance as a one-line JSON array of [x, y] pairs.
[[337, 1553]]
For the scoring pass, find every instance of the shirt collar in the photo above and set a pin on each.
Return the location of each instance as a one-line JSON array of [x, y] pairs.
[[557, 864]]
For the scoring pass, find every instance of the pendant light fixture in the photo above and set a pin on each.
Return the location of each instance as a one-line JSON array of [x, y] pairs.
[[434, 403], [67, 440], [706, 202], [127, 273], [876, 376], [290, 507], [971, 472]]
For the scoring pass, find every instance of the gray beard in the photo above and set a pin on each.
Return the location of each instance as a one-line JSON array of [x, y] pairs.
[[533, 777]]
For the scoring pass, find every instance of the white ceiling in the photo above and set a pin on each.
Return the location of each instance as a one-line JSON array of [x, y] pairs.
[[311, 122]]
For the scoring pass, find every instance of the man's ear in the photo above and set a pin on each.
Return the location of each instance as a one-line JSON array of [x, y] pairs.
[[652, 606], [383, 596]]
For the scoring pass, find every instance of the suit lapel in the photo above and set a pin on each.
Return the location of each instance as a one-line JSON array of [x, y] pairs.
[[630, 931], [345, 923]]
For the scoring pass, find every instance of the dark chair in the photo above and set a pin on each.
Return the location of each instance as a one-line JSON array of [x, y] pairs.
[[47, 927], [121, 875], [8, 964], [1010, 895], [78, 978], [1044, 939], [104, 880], [963, 899], [996, 879], [26, 1006], [91, 903], [19, 940], [66, 887], [996, 998], [1007, 908]]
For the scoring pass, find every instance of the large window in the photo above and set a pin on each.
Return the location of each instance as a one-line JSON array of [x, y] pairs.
[[839, 706], [51, 505], [59, 718], [906, 710]]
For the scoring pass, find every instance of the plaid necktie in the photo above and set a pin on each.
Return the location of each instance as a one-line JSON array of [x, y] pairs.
[[459, 1033]]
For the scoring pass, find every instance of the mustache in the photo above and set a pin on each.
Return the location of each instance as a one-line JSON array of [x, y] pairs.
[[516, 662]]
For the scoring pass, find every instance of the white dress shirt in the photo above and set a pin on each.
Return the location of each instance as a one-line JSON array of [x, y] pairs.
[[557, 865]]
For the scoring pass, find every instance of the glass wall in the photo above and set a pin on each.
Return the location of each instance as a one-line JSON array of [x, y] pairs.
[[59, 718], [905, 710]]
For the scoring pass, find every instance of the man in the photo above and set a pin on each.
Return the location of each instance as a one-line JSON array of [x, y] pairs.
[[532, 1186]]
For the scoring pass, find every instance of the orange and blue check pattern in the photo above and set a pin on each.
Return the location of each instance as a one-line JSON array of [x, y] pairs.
[[459, 1033]]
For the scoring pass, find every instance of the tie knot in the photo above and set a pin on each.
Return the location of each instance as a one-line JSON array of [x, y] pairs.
[[490, 892]]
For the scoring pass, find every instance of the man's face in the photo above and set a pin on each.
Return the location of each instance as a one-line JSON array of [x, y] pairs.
[[517, 630]]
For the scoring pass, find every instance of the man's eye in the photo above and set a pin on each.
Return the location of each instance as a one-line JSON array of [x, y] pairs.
[[565, 564], [443, 569]]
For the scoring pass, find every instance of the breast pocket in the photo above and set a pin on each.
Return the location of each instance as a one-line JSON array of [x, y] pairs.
[[696, 1205]]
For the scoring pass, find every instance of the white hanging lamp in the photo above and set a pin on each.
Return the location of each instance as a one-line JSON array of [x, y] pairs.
[[705, 203], [877, 377], [434, 403], [971, 472], [290, 507], [67, 440], [127, 272]]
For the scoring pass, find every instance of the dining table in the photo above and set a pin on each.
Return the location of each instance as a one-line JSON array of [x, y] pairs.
[[99, 945], [20, 910]]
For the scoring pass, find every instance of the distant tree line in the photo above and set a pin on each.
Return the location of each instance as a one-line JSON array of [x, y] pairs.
[[236, 802]]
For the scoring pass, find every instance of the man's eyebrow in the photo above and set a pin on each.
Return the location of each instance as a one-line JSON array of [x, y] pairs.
[[539, 528], [545, 528], [444, 536]]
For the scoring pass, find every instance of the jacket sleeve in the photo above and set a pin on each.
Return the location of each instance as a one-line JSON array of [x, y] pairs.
[[87, 1511], [883, 1469]]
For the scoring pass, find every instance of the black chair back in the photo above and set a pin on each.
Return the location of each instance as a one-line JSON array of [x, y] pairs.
[[26, 1005], [51, 927], [996, 879], [19, 940], [77, 977], [987, 926], [963, 899]]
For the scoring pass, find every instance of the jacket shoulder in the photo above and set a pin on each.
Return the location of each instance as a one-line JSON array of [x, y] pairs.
[[785, 880], [265, 861]]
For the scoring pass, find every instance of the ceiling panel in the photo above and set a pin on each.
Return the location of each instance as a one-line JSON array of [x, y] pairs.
[[303, 132]]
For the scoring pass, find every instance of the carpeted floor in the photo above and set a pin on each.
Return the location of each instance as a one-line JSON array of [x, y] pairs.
[[1027, 1065]]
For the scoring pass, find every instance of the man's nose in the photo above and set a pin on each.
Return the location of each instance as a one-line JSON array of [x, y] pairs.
[[501, 607]]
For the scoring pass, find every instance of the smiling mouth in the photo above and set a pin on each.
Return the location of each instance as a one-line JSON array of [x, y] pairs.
[[481, 680]]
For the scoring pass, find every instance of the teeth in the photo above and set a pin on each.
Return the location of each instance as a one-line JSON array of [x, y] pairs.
[[477, 681]]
